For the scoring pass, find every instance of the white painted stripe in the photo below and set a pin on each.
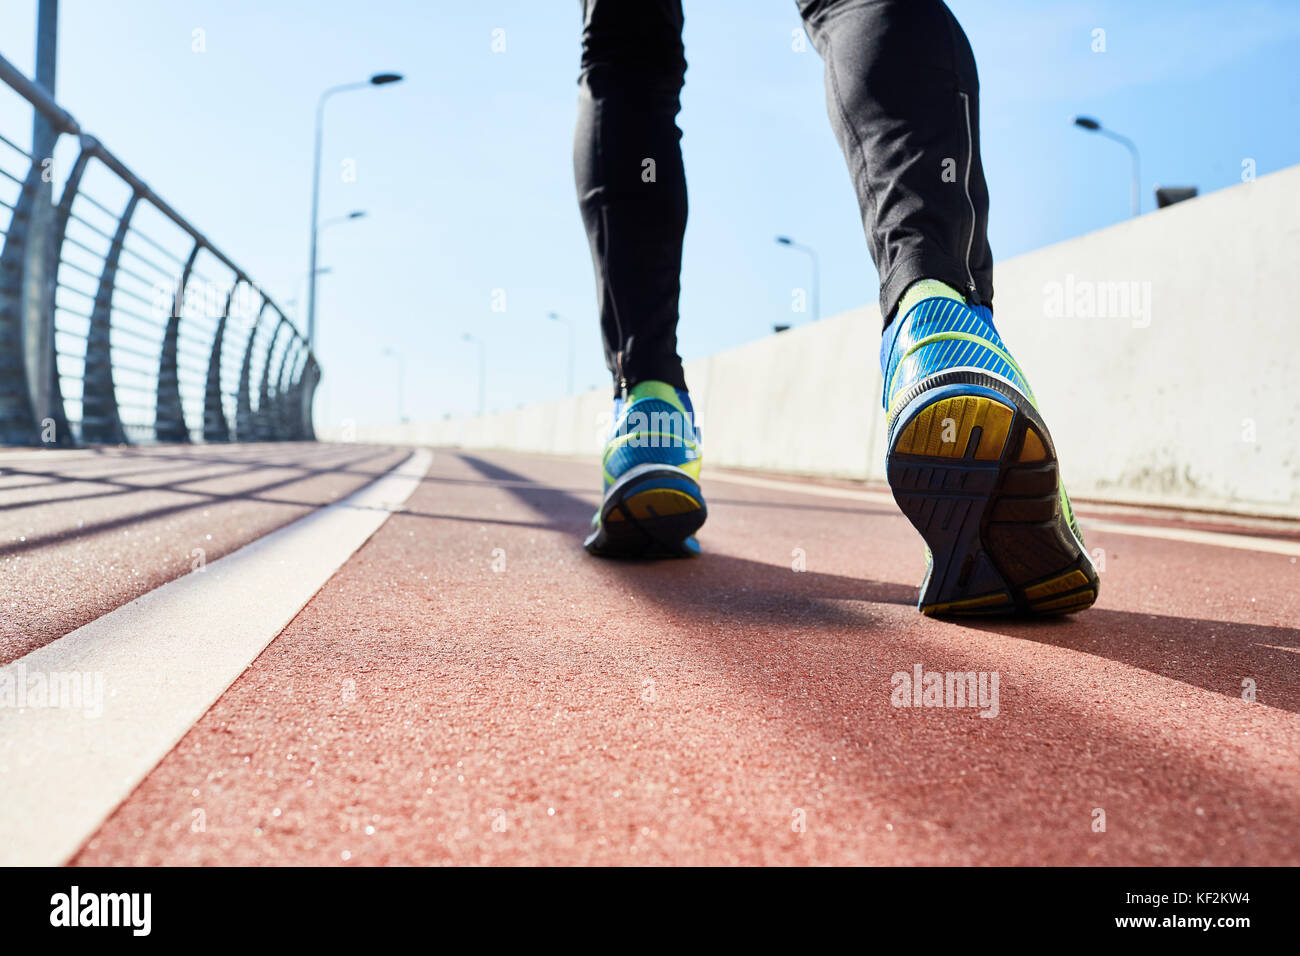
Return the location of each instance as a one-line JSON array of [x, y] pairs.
[[1219, 539], [820, 491], [1242, 542], [163, 660]]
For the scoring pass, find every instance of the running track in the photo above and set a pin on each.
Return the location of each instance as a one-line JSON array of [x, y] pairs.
[[470, 687]]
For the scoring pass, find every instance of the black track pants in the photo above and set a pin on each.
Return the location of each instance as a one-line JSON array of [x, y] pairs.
[[903, 99]]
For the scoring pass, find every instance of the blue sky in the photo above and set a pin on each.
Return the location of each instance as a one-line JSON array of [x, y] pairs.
[[465, 168]]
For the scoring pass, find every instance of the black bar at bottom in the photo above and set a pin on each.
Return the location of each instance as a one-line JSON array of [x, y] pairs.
[[963, 907]]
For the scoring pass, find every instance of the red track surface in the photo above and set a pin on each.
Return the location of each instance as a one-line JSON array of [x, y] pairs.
[[679, 712], [692, 711]]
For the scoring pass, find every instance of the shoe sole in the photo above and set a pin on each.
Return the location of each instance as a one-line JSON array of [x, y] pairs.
[[651, 512], [973, 467]]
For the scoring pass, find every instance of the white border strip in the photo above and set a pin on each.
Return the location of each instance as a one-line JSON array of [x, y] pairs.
[[811, 488], [163, 660], [1242, 542]]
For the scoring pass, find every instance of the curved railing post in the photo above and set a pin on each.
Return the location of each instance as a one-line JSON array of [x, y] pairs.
[[56, 411], [293, 401], [308, 381], [169, 416], [215, 427], [245, 430], [101, 420], [18, 425], [278, 402], [264, 425]]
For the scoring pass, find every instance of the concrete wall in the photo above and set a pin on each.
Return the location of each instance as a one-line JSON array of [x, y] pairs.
[[1164, 352]]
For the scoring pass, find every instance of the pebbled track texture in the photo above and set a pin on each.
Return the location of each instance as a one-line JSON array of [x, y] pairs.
[[473, 688]]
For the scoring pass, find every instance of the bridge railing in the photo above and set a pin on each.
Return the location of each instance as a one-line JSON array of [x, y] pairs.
[[120, 322]]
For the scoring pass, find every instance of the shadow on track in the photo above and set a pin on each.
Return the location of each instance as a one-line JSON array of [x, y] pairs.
[[726, 589]]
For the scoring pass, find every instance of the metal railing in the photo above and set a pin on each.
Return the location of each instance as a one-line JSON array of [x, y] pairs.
[[114, 327]]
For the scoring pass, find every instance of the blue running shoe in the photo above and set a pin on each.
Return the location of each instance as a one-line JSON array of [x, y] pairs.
[[652, 505], [972, 465]]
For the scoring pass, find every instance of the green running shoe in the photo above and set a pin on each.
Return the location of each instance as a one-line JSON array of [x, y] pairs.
[[973, 467], [652, 505]]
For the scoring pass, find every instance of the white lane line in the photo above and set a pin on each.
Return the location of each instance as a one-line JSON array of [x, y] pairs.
[[821, 491], [1242, 542], [160, 662]]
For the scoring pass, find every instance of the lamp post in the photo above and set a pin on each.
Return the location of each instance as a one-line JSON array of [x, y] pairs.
[[556, 317], [1135, 185], [39, 265], [816, 271], [379, 79], [482, 372]]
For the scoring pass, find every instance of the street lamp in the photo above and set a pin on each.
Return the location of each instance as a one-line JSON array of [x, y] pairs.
[[556, 317], [1135, 186], [354, 214], [379, 79], [401, 362], [482, 372], [816, 272]]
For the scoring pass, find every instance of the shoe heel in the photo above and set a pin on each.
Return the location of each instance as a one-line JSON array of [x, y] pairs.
[[974, 470], [652, 511]]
